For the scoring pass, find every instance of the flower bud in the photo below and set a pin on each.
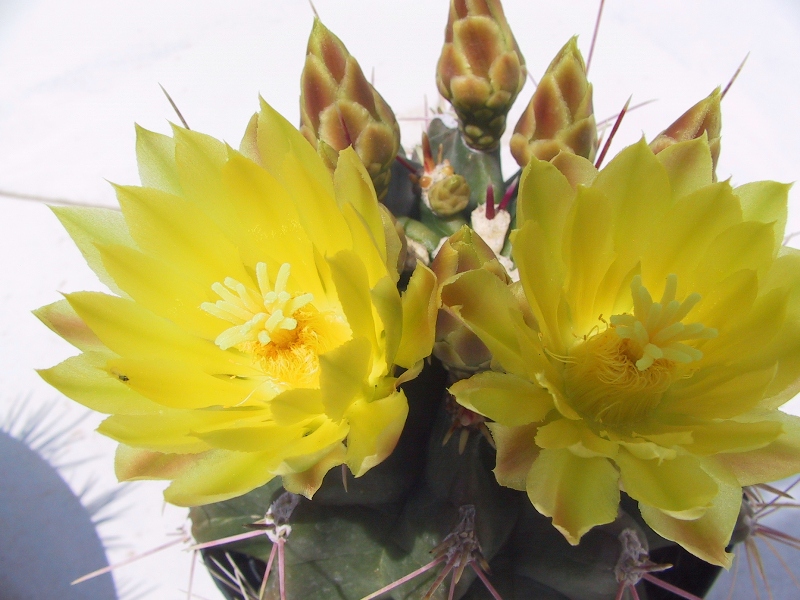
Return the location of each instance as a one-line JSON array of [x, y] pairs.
[[460, 350], [449, 195], [340, 108], [703, 117], [560, 116], [480, 70]]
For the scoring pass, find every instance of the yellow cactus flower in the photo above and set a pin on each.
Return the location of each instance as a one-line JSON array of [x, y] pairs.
[[660, 336], [257, 322]]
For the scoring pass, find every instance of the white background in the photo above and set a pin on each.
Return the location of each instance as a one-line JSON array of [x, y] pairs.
[[75, 75]]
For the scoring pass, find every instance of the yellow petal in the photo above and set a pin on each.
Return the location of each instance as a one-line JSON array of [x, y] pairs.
[[61, 318], [375, 428], [309, 481], [678, 486], [589, 252], [639, 190], [263, 217], [132, 331], [716, 393], [732, 436], [294, 406], [419, 318], [542, 276], [365, 246], [294, 162], [505, 398], [343, 375], [352, 286], [577, 169], [85, 379], [354, 186], [705, 537], [778, 460], [575, 436], [688, 165], [685, 233], [219, 475], [544, 196], [155, 154], [131, 464], [304, 453], [180, 385], [267, 437], [90, 226], [175, 231], [766, 202], [516, 451], [387, 303], [578, 493], [747, 245], [485, 303], [155, 285]]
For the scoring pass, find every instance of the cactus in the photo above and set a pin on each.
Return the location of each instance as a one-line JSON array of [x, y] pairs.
[[544, 448]]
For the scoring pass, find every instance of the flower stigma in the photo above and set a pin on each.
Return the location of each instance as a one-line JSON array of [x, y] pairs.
[[284, 332], [618, 376]]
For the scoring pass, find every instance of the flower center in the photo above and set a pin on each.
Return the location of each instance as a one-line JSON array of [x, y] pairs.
[[619, 375], [283, 332]]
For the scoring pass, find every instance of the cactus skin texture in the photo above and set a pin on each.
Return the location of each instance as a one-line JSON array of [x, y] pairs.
[[559, 116], [481, 70], [340, 108]]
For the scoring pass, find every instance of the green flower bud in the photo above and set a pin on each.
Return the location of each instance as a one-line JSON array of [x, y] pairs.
[[703, 117], [481, 70], [340, 108], [560, 116], [449, 196]]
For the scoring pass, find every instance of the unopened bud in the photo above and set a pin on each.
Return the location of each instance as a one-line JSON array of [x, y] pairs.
[[480, 70], [560, 116], [340, 108], [449, 196], [703, 117]]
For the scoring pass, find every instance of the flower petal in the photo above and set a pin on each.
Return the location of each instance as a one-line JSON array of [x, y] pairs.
[[85, 379], [61, 318], [705, 537], [155, 154], [90, 226], [505, 398], [343, 374], [516, 451], [679, 486], [375, 428], [688, 164], [578, 493], [419, 318]]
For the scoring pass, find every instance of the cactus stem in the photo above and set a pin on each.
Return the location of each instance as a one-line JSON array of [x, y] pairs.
[[405, 578], [508, 194], [735, 75], [490, 202], [174, 107], [594, 35], [611, 135]]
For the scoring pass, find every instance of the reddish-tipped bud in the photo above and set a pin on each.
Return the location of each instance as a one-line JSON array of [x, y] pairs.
[[340, 108], [560, 116], [481, 70], [460, 350], [703, 117]]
